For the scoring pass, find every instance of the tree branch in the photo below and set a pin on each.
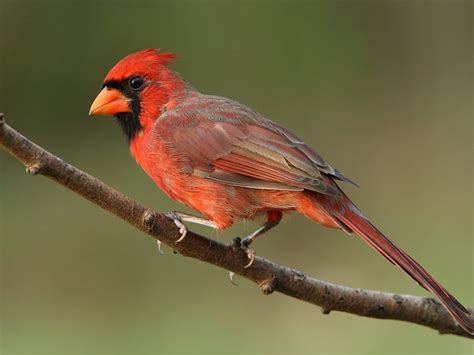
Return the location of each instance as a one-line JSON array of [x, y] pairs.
[[268, 275]]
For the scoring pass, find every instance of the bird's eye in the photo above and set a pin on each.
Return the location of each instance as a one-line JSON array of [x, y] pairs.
[[136, 82]]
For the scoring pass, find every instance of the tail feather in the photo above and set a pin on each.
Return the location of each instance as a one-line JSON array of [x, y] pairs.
[[368, 232]]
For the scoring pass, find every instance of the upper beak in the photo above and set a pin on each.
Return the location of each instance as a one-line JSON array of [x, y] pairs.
[[109, 102]]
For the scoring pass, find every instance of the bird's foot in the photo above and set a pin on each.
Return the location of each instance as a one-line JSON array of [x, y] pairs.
[[158, 243], [243, 244], [183, 230], [231, 277], [247, 241], [250, 252]]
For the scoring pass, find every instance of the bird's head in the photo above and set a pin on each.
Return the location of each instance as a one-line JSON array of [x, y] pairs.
[[137, 90]]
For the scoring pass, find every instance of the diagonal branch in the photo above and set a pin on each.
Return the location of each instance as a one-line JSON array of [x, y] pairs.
[[268, 275]]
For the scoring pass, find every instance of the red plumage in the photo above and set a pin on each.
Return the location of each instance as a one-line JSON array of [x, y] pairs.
[[229, 162]]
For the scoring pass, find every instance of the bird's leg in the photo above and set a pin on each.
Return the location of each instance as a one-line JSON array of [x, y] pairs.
[[251, 237], [196, 220], [180, 217], [258, 232], [274, 218]]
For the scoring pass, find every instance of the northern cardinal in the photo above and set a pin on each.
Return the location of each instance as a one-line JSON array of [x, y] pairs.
[[229, 162]]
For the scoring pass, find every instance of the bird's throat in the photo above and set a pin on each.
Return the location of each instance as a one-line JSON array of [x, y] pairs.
[[130, 124]]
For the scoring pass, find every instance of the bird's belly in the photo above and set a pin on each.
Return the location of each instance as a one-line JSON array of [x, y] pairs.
[[215, 201], [220, 203]]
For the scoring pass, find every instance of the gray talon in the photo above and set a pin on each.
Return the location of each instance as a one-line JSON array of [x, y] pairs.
[[183, 230], [243, 244], [231, 276], [251, 255], [158, 242]]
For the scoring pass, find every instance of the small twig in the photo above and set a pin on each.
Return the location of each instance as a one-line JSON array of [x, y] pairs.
[[268, 275]]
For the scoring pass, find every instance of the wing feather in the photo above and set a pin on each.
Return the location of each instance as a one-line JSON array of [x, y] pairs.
[[239, 147]]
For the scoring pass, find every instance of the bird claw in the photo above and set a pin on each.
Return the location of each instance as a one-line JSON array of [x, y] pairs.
[[231, 276], [237, 243], [183, 230], [250, 252], [251, 255], [158, 242]]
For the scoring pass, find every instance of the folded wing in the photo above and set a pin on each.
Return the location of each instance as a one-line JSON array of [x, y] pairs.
[[241, 149]]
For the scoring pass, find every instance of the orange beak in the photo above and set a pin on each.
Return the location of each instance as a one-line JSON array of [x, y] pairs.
[[109, 102]]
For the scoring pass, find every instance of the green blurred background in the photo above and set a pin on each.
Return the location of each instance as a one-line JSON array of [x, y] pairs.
[[383, 90]]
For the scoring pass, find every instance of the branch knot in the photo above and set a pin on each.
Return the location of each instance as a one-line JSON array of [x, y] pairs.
[[267, 286], [33, 169]]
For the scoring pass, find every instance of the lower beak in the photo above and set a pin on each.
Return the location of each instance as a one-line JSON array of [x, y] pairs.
[[109, 102]]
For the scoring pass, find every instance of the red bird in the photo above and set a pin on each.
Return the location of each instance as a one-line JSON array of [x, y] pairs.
[[229, 162]]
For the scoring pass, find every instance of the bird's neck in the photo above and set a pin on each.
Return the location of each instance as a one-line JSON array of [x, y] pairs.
[[153, 106], [171, 92]]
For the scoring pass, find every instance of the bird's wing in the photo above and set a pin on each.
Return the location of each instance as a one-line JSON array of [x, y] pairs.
[[236, 146]]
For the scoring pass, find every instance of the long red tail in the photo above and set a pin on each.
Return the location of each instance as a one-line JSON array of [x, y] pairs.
[[357, 223]]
